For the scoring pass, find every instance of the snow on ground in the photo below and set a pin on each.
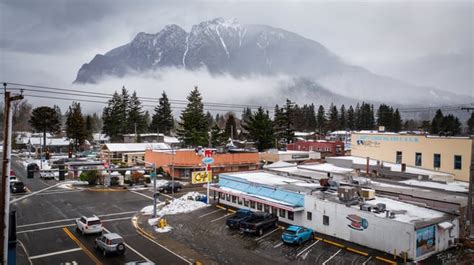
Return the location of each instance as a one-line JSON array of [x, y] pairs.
[[457, 186], [185, 204], [164, 229], [72, 184]]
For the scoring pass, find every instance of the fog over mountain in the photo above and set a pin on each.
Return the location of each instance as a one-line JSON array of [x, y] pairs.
[[223, 46]]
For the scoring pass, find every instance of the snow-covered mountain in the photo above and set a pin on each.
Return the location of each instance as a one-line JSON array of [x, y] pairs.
[[227, 47]]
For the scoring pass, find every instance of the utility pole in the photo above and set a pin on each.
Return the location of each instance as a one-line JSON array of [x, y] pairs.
[[469, 215], [5, 189]]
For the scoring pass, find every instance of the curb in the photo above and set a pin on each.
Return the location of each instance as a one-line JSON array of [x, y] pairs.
[[385, 260]]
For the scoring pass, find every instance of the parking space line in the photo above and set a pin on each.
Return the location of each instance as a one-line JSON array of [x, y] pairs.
[[132, 249], [306, 249], [71, 219], [277, 245], [55, 253], [87, 251], [367, 260], [206, 214], [267, 234], [149, 197], [324, 263], [33, 193], [26, 251], [217, 219]]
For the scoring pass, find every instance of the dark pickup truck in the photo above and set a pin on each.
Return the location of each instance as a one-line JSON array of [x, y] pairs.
[[239, 216], [258, 223]]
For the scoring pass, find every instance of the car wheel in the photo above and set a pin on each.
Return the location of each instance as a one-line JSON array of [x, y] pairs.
[[165, 191], [82, 232], [178, 189], [260, 232], [300, 242], [121, 248]]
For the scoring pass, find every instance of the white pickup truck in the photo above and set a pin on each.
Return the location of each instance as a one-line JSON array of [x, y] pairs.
[[89, 225]]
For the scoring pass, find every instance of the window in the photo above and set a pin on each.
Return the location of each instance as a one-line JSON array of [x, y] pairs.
[[234, 199], [274, 211], [239, 200], [398, 159], [221, 195], [266, 208], [291, 215], [246, 203], [259, 206], [437, 161], [227, 197], [282, 213], [457, 162], [252, 204], [418, 159], [325, 220], [309, 216]]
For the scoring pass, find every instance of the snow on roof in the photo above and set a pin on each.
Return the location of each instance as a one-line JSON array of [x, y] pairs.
[[304, 133], [136, 147], [63, 141], [340, 132], [413, 213], [263, 178], [449, 186], [256, 196], [295, 152], [100, 137], [279, 164], [326, 167], [171, 140]]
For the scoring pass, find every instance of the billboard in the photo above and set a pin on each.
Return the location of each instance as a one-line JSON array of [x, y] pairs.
[[201, 177], [425, 240]]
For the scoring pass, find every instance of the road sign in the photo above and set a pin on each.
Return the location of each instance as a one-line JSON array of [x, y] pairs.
[[201, 177], [153, 175], [208, 160]]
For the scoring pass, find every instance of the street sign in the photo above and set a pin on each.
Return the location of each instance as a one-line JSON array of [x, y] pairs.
[[153, 175], [201, 177], [208, 160]]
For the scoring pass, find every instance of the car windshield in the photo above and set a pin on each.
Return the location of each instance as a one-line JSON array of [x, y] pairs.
[[94, 222], [241, 214], [290, 232], [18, 184]]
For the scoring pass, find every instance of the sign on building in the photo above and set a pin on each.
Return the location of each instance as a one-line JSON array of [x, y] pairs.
[[201, 177]]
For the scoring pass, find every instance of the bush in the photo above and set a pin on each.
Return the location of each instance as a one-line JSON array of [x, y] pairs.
[[90, 176], [137, 177]]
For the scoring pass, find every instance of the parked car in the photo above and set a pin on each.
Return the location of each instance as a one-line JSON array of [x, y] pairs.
[[297, 235], [169, 186], [239, 216], [47, 175], [13, 179], [89, 225], [110, 243], [258, 223], [17, 187]]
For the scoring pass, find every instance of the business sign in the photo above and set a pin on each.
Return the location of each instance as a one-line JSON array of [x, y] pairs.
[[207, 160], [425, 240], [387, 138], [201, 177], [357, 222]]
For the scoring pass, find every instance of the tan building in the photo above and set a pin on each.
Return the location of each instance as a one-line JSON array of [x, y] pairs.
[[446, 154]]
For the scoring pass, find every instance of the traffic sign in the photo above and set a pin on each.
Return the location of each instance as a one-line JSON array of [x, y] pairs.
[[153, 175], [208, 160]]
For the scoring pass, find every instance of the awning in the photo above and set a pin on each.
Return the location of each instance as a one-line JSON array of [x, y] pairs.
[[271, 202], [445, 225]]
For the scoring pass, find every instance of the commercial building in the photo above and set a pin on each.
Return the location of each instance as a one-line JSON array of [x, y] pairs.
[[343, 136], [326, 148], [446, 154], [120, 152], [275, 155], [379, 223], [182, 162], [34, 142], [151, 138]]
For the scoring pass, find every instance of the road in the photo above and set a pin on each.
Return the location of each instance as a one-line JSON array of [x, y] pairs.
[[46, 231]]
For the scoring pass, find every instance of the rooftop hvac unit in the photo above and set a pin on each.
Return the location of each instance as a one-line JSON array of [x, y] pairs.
[[366, 207], [368, 194], [346, 193], [380, 208]]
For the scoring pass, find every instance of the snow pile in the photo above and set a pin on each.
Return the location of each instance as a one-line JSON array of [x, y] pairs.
[[185, 204], [164, 229], [72, 184]]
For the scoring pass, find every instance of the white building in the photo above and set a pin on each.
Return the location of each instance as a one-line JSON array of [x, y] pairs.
[[120, 151], [403, 228]]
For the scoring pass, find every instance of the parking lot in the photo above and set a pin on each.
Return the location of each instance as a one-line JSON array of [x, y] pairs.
[[205, 231]]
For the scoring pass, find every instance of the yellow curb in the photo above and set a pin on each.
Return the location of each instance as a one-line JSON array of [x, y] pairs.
[[386, 260], [220, 207], [358, 251], [319, 238], [281, 227], [334, 243], [232, 211]]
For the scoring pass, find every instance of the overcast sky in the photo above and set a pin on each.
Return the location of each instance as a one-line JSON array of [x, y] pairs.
[[46, 42]]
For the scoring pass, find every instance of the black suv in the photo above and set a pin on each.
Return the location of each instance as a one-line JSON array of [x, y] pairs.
[[169, 186], [17, 186]]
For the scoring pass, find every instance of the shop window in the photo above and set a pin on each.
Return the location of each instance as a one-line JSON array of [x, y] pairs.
[[234, 199], [239, 201], [309, 216], [398, 159], [221, 195], [227, 197], [325, 220], [418, 159], [458, 162], [291, 215], [252, 204], [259, 206], [274, 211], [282, 213], [436, 160], [246, 203], [266, 208]]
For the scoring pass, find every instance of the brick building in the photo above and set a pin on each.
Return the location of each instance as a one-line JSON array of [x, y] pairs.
[[326, 148]]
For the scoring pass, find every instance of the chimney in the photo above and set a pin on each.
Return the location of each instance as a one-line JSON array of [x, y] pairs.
[[367, 166]]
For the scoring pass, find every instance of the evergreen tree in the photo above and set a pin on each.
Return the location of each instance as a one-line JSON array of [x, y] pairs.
[[210, 120], [217, 136], [89, 127], [385, 117], [350, 118], [311, 118], [147, 120], [333, 121], [289, 133], [113, 118], [136, 116], [451, 125], [342, 118], [396, 121], [425, 126], [96, 123], [321, 119], [75, 125], [437, 122], [194, 127], [470, 124], [357, 122], [162, 120], [45, 119], [230, 127], [127, 125], [366, 117], [260, 129], [279, 123]]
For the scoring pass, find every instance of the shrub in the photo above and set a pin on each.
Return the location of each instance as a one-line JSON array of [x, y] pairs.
[[137, 177], [90, 176]]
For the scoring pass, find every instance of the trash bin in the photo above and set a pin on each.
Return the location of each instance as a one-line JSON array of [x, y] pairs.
[[62, 172], [31, 169]]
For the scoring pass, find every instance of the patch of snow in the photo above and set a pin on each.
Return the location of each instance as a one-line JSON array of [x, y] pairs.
[[164, 229], [326, 167], [185, 204], [434, 94], [450, 186], [264, 178], [153, 221], [186, 51], [72, 184], [222, 42]]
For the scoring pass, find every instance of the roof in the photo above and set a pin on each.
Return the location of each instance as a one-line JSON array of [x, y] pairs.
[[326, 167], [279, 164], [136, 147], [100, 137], [38, 140], [263, 178], [293, 228], [113, 236]]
